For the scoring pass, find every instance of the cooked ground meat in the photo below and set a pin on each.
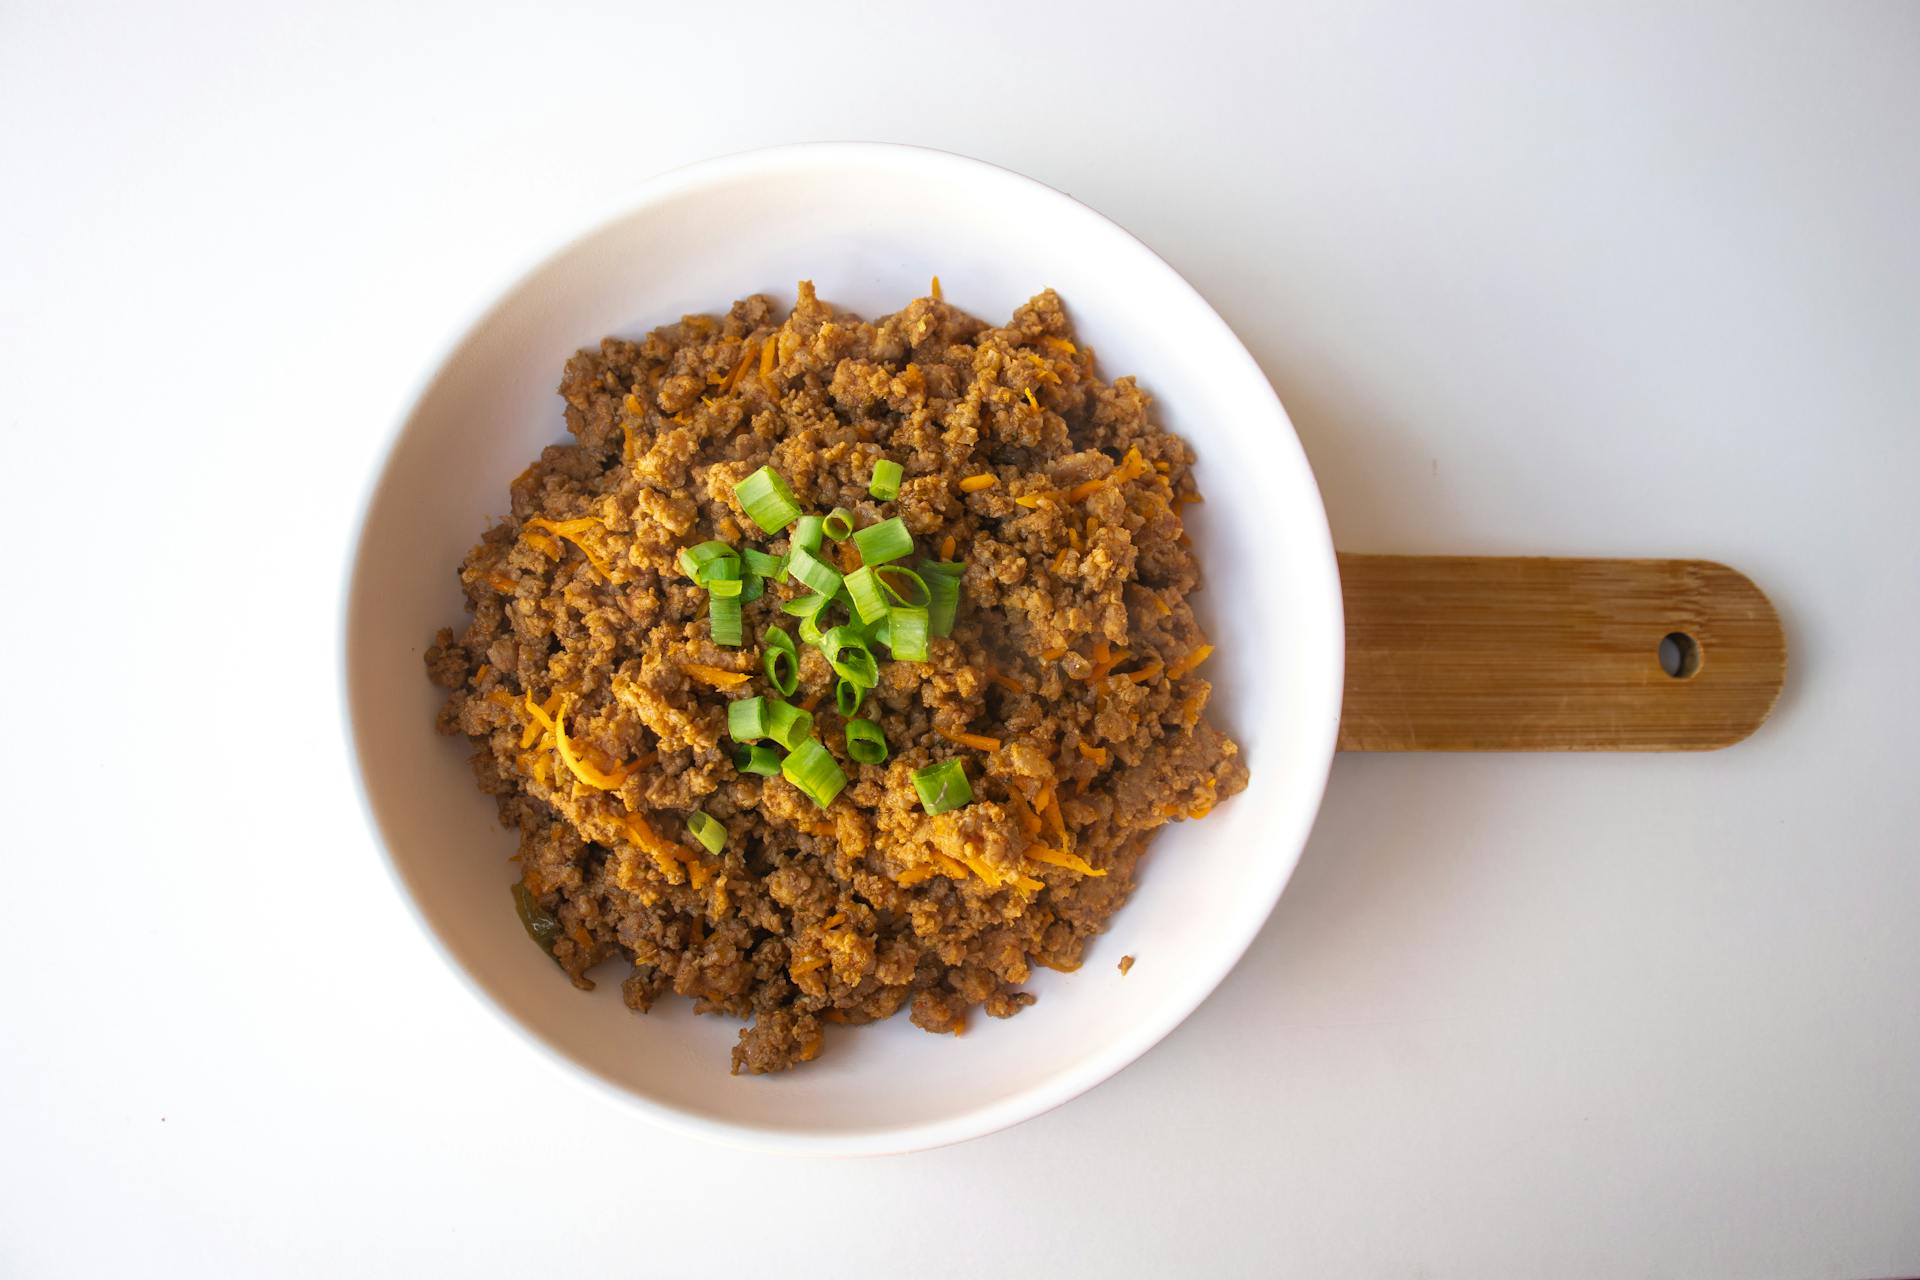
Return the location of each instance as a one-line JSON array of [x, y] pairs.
[[590, 684]]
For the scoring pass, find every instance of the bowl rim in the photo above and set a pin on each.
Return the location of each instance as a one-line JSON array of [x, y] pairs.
[[1096, 1066]]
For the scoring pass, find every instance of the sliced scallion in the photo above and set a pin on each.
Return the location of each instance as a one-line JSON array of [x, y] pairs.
[[723, 619], [787, 724], [847, 696], [767, 500], [846, 648], [753, 586], [879, 543], [885, 484], [756, 758], [943, 588], [708, 830], [907, 634], [807, 533], [781, 661], [903, 586], [838, 524], [747, 719], [813, 573], [812, 768], [943, 787], [722, 588], [863, 589], [762, 563], [708, 561], [865, 742]]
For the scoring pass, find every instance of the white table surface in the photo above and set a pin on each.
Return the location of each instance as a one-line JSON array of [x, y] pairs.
[[1606, 282]]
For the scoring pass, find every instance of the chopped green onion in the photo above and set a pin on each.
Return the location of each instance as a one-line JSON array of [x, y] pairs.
[[805, 606], [838, 524], [943, 787], [762, 760], [781, 661], [847, 650], [954, 568], [807, 533], [907, 634], [863, 590], [865, 742], [813, 573], [810, 632], [723, 619], [943, 588], [879, 543], [747, 719], [708, 561], [541, 925], [903, 586], [885, 484], [767, 500], [812, 768], [725, 587], [847, 696], [760, 563], [708, 830], [787, 724], [753, 586]]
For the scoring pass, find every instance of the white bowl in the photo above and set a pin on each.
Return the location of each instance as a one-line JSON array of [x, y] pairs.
[[868, 224]]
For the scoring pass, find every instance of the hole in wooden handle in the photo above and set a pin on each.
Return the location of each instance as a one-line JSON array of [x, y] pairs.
[[1479, 653]]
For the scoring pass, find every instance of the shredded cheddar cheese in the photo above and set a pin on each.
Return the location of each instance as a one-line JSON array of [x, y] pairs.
[[933, 290], [974, 484], [715, 677], [1061, 345], [481, 674], [1049, 655], [1023, 813], [804, 967], [1060, 561], [572, 530], [580, 767], [1071, 861], [952, 869], [1031, 400], [1096, 754], [1196, 656], [500, 582], [914, 875], [1007, 682], [1145, 673], [946, 547], [980, 742], [1187, 499]]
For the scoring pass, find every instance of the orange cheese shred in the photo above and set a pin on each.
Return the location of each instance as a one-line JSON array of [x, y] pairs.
[[974, 484], [946, 547], [1048, 655], [1096, 754], [1071, 861], [980, 742], [1061, 345], [914, 875], [1194, 657], [1145, 673], [715, 677], [933, 290], [1031, 400], [572, 530], [579, 766]]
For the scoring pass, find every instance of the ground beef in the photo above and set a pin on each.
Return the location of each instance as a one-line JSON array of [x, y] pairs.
[[1075, 649]]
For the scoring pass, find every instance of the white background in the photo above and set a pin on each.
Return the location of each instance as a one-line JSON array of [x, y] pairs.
[[1612, 281]]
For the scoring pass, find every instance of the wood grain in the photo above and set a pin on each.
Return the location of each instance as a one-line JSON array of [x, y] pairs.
[[1474, 653]]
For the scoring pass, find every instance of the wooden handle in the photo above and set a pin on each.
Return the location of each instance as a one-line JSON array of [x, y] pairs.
[[1476, 653]]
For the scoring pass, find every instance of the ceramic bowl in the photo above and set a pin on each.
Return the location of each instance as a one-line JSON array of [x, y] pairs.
[[868, 224]]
